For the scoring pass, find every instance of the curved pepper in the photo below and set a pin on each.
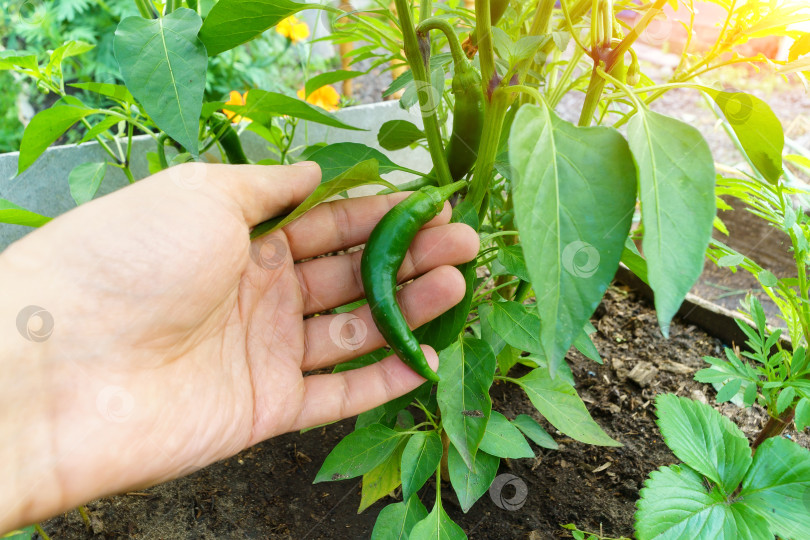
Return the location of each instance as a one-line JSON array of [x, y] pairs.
[[381, 260], [229, 139]]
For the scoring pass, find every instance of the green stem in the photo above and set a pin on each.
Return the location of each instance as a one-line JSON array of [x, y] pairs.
[[161, 151], [488, 149], [85, 517], [144, 9], [425, 9], [774, 427], [41, 532], [434, 23], [172, 5], [427, 101], [486, 53]]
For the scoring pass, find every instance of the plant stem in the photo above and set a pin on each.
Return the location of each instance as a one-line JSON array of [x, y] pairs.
[[488, 149], [486, 54], [144, 9], [425, 9], [85, 517], [427, 101], [41, 532], [434, 23], [774, 427]]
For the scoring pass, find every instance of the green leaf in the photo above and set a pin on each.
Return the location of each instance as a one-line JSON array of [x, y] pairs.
[[85, 179], [466, 371], [100, 128], [419, 461], [329, 77], [767, 279], [518, 326], [633, 260], [729, 390], [337, 158], [44, 128], [114, 91], [802, 417], [785, 399], [437, 526], [262, 106], [382, 479], [704, 439], [756, 126], [511, 257], [163, 64], [361, 174], [676, 175], [16, 215], [535, 431], [777, 487], [358, 453], [504, 440], [397, 134], [66, 50], [25, 533], [574, 194], [9, 59], [233, 22], [395, 521], [584, 344], [559, 403], [675, 504], [734, 259], [470, 483]]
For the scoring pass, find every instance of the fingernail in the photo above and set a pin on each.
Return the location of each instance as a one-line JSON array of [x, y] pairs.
[[304, 164]]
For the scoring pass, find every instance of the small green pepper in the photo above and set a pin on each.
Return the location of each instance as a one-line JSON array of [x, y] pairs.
[[381, 260], [222, 130]]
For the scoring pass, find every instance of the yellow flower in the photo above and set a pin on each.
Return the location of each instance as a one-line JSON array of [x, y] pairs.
[[293, 29], [236, 99], [324, 97]]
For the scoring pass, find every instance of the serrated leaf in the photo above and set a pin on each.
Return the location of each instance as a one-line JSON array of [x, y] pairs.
[[397, 134], [676, 177], [16, 215], [358, 453], [466, 371], [504, 440], [704, 439], [535, 431], [419, 461], [164, 64], [470, 483], [559, 403], [802, 415], [233, 22], [757, 128], [777, 487], [85, 179], [574, 196], [675, 504], [363, 173], [395, 521], [338, 158], [44, 128], [785, 399], [518, 326]]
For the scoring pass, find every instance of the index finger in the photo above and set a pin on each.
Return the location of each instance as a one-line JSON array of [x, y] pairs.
[[346, 223]]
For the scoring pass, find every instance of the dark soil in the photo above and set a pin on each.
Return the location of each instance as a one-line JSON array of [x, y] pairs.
[[267, 491]]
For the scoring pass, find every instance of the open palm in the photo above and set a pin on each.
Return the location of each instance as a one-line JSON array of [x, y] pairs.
[[177, 341]]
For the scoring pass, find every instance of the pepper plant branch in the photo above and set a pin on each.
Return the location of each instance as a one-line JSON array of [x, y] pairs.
[[487, 150], [597, 83], [424, 91], [486, 53], [425, 9], [434, 23]]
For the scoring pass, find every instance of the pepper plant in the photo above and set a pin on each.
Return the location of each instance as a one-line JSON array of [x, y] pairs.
[[553, 201]]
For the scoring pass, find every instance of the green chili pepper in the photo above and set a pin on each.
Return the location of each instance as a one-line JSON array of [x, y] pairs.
[[229, 139], [382, 257], [468, 111]]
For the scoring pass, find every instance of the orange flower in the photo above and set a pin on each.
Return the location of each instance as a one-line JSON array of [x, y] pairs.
[[293, 29], [236, 99], [324, 97]]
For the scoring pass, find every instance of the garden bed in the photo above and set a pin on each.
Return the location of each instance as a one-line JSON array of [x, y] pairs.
[[267, 491]]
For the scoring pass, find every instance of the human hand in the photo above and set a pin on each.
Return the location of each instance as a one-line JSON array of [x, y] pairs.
[[177, 342]]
